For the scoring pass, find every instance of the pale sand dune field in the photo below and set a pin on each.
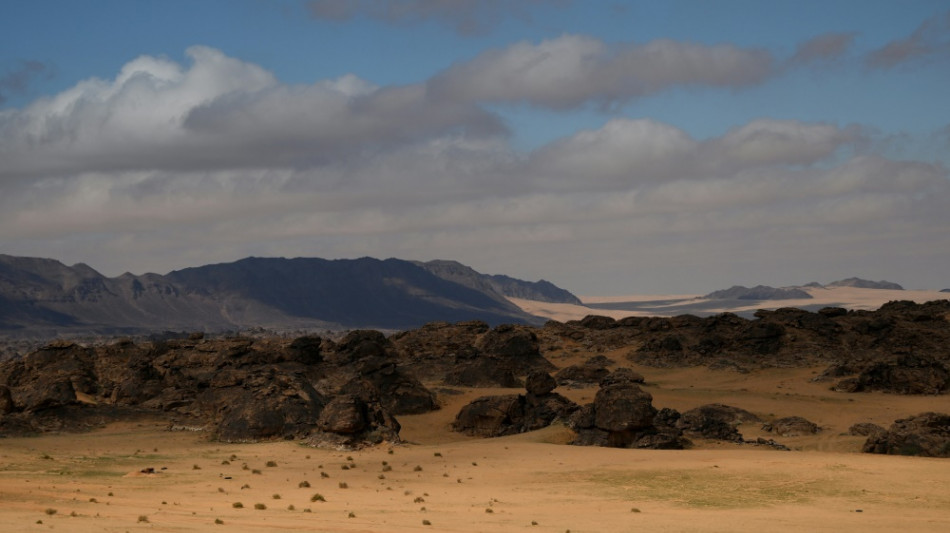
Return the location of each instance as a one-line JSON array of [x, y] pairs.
[[528, 482], [671, 304]]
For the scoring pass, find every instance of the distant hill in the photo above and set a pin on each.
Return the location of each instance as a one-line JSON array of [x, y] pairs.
[[865, 284], [759, 292], [764, 292], [43, 296]]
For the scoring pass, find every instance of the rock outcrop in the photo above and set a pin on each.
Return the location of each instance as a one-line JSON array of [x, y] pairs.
[[908, 374], [496, 416], [238, 389], [715, 421], [926, 434], [591, 371], [791, 426], [894, 347], [622, 416]]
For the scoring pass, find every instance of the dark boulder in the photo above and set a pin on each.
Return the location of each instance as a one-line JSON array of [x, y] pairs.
[[361, 344], [345, 414], [494, 416], [761, 337], [539, 383], [715, 421], [598, 322], [542, 411], [927, 435], [865, 429], [482, 372], [622, 416], [6, 401], [623, 407], [306, 350], [622, 375], [398, 392], [592, 371], [348, 421], [908, 375], [791, 426], [666, 435], [491, 416], [580, 374], [267, 405], [516, 347]]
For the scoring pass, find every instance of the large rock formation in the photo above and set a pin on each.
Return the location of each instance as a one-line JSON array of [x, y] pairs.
[[238, 389], [715, 421], [498, 357], [893, 347], [926, 434], [908, 374], [622, 416], [792, 426], [591, 371], [495, 416]]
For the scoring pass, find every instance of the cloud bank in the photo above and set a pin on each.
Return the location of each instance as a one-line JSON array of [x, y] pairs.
[[169, 165]]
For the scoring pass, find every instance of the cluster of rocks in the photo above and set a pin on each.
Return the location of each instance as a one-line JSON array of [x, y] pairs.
[[926, 434], [469, 354], [349, 391], [509, 414], [622, 415], [907, 374], [903, 347], [343, 393], [237, 389]]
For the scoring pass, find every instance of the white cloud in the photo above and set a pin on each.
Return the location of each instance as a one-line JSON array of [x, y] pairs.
[[574, 70], [218, 112]]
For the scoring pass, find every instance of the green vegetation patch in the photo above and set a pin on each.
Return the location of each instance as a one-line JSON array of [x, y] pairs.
[[717, 489]]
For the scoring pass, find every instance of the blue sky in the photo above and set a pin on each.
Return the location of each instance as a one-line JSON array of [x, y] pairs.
[[610, 147]]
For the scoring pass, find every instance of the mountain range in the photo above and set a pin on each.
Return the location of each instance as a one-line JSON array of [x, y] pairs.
[[42, 297]]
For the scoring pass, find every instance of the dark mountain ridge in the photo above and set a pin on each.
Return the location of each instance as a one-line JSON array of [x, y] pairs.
[[43, 297], [540, 291]]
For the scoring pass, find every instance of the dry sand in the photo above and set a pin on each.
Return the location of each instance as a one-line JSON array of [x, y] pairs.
[[529, 482], [848, 297]]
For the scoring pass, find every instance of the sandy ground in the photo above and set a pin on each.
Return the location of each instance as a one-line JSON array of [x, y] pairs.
[[443, 481], [847, 297]]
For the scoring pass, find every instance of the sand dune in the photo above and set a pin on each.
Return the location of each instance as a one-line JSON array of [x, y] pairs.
[[675, 304]]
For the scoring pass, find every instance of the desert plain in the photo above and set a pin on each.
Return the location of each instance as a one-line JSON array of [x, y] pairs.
[[439, 480], [144, 475]]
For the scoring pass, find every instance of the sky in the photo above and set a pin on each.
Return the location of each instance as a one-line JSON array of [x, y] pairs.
[[609, 147]]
